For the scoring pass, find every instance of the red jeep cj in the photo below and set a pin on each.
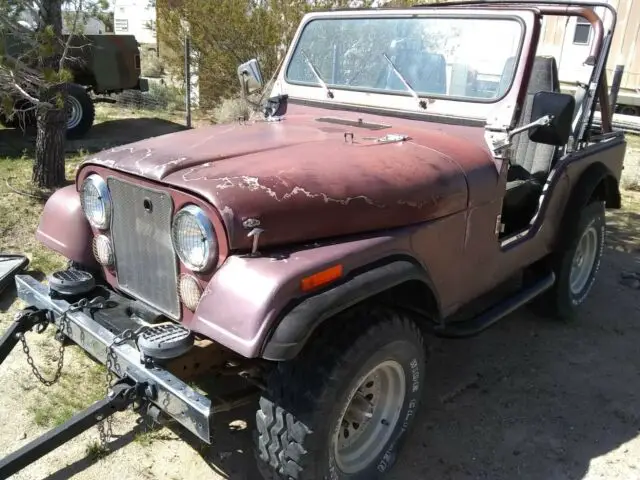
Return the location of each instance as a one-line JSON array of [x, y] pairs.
[[413, 172]]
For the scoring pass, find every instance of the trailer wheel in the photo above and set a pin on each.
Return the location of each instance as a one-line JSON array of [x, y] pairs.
[[629, 110], [80, 111], [343, 407]]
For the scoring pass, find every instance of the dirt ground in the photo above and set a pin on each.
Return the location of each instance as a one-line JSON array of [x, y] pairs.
[[528, 399]]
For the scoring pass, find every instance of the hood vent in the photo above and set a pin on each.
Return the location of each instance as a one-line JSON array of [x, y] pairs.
[[353, 123]]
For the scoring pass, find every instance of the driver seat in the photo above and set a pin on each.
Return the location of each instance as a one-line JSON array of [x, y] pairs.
[[531, 162]]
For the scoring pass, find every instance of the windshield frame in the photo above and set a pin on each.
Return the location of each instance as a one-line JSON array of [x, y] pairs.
[[401, 101], [405, 93]]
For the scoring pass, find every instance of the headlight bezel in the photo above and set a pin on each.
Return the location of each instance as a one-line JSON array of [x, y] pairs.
[[97, 182], [206, 227]]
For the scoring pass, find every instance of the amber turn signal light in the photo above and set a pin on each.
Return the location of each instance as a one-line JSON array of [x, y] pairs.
[[321, 278]]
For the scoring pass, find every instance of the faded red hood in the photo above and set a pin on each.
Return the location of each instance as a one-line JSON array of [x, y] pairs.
[[306, 180]]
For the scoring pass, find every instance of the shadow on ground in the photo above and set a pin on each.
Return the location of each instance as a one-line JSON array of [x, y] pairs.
[[111, 133], [623, 229]]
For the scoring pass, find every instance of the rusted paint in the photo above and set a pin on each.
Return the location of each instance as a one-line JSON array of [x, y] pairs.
[[303, 182]]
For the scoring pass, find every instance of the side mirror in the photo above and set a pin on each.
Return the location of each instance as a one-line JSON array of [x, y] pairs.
[[558, 106], [250, 77]]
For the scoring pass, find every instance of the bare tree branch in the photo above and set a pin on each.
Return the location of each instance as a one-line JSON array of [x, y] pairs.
[[23, 92], [72, 32]]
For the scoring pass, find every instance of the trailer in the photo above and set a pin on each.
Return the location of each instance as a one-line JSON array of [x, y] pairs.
[[569, 40]]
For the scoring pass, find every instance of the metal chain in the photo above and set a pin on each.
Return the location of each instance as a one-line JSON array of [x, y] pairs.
[[105, 427], [61, 349], [35, 370]]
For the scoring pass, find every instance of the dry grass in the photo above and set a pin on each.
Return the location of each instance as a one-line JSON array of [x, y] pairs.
[[20, 212], [20, 208], [631, 172]]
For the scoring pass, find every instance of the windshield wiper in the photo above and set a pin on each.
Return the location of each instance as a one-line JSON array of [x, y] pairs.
[[421, 103], [317, 75]]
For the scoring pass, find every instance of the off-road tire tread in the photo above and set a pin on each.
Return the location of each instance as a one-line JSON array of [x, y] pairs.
[[553, 302], [280, 437]]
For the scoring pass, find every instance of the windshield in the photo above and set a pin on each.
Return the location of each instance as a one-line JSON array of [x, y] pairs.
[[464, 58]]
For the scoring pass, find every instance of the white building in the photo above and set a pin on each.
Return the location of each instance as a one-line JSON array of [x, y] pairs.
[[84, 24], [135, 17], [569, 40]]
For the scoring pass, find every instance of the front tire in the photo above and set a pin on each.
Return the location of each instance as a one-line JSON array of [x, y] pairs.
[[342, 408], [576, 266]]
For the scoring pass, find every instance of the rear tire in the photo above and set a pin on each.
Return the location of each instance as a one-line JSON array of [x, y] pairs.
[[342, 408], [576, 266]]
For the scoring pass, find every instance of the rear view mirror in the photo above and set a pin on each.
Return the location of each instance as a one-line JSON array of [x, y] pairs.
[[558, 106], [250, 77]]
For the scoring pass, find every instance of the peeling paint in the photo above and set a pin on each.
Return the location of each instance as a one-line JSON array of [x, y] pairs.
[[253, 184], [285, 172], [227, 216]]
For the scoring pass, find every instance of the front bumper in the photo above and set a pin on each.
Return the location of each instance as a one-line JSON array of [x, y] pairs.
[[172, 395]]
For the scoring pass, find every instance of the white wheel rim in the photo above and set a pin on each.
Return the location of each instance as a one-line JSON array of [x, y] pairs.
[[371, 415], [583, 260], [74, 112]]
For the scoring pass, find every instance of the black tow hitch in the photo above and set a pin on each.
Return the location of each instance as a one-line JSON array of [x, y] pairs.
[[122, 395], [25, 321]]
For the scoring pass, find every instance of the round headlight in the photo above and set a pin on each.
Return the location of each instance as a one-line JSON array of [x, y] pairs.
[[96, 201], [193, 238]]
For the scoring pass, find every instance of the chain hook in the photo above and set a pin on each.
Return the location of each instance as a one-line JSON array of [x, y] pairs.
[[105, 428]]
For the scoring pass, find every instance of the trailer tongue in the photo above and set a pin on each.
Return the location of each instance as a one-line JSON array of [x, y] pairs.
[[134, 351], [122, 395]]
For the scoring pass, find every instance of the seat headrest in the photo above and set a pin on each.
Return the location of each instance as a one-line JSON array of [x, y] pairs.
[[544, 75]]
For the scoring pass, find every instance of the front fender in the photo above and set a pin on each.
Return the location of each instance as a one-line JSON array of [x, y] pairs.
[[248, 295], [297, 325], [64, 229]]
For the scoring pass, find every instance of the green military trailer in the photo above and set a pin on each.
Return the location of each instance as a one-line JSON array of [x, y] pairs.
[[100, 65]]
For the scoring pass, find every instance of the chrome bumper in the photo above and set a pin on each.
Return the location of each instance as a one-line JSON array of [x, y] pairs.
[[174, 397]]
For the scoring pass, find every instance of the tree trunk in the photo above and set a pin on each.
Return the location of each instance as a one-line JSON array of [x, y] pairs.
[[48, 168]]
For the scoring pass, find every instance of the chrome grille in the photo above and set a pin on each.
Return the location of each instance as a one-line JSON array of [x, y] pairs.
[[146, 263]]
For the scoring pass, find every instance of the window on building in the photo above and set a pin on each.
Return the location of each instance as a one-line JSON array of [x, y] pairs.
[[582, 33], [121, 25]]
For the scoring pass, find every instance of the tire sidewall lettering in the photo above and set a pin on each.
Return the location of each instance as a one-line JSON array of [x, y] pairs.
[[410, 408], [413, 388], [577, 300]]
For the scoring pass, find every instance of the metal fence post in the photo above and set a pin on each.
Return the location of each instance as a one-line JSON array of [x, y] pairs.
[[187, 80], [615, 87]]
